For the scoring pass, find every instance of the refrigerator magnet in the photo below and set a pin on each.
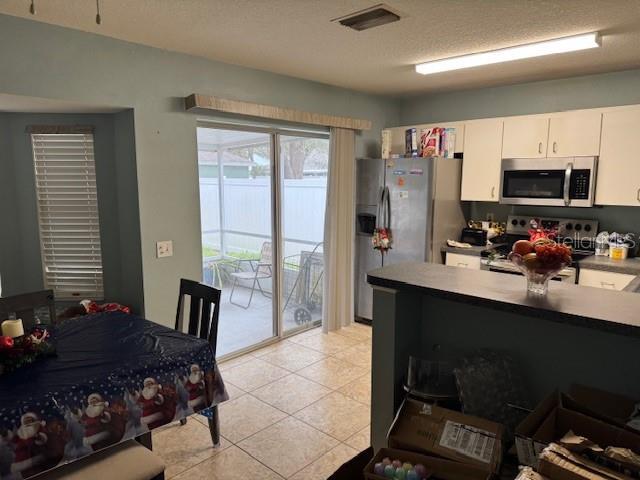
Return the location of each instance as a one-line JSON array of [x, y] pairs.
[[399, 172], [416, 171], [400, 181]]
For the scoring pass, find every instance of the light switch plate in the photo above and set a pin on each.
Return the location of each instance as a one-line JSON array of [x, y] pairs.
[[164, 249]]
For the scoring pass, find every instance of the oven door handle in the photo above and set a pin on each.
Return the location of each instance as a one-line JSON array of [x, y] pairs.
[[567, 183]]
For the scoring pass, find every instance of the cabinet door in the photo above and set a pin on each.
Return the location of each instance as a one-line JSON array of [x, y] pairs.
[[618, 179], [601, 279], [525, 137], [463, 261], [574, 134], [481, 163]]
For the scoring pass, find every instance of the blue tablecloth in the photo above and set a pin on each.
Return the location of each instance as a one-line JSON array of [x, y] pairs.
[[114, 376]]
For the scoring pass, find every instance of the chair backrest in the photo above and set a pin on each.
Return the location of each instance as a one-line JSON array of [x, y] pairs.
[[266, 254], [24, 306], [204, 310], [266, 259]]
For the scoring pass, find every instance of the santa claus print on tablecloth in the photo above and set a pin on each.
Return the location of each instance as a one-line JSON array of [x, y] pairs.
[[194, 385], [158, 404], [28, 442], [96, 420]]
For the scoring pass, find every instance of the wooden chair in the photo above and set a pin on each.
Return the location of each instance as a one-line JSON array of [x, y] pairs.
[[24, 306], [204, 310]]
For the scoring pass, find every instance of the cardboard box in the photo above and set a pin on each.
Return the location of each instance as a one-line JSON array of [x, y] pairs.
[[439, 467], [599, 404], [527, 473], [562, 420], [605, 405], [527, 449], [436, 431], [558, 463]]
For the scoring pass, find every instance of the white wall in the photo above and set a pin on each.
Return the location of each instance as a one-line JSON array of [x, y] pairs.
[[40, 60]]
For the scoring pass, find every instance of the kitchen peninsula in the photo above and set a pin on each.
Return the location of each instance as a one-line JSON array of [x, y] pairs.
[[574, 334]]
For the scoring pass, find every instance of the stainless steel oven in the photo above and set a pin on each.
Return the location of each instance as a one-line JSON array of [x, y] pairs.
[[568, 182], [567, 274]]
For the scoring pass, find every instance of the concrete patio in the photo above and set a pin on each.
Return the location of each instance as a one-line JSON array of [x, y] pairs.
[[240, 328]]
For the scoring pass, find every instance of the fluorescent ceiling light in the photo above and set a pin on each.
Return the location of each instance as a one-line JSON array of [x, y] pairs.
[[538, 49]]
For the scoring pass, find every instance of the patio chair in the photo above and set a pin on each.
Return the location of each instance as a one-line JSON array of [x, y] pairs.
[[259, 271]]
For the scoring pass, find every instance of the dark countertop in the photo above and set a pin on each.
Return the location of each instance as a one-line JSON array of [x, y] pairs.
[[630, 266], [607, 310]]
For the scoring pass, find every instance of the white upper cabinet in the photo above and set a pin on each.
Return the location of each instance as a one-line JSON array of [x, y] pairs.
[[525, 137], [482, 156], [574, 134], [618, 179]]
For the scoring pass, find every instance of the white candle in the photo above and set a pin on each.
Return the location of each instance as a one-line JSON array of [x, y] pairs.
[[12, 328]]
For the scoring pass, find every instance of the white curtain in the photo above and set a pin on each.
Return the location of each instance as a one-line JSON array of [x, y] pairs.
[[339, 232]]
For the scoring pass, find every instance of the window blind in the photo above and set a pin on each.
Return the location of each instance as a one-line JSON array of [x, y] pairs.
[[68, 214]]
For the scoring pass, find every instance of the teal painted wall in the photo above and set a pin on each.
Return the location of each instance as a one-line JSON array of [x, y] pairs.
[[609, 89], [40, 60], [20, 263], [603, 90]]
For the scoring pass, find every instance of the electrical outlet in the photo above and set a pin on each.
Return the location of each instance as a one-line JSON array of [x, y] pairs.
[[164, 249]]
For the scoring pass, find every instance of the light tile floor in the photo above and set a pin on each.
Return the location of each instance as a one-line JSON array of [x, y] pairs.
[[298, 410]]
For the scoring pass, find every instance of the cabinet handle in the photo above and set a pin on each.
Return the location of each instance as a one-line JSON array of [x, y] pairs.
[[638, 195], [540, 147], [493, 192], [608, 285], [465, 265], [555, 147]]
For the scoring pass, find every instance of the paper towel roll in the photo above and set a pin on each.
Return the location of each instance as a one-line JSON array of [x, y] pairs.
[[12, 328]]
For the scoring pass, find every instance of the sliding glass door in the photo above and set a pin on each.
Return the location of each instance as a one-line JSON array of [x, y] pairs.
[[304, 163], [262, 201], [237, 232]]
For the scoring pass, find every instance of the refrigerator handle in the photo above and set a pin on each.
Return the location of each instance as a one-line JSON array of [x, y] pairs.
[[379, 208], [387, 204]]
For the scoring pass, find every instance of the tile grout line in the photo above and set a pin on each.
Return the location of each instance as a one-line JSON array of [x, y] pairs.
[[292, 415]]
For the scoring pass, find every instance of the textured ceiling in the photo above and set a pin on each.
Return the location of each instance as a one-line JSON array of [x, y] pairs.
[[297, 38]]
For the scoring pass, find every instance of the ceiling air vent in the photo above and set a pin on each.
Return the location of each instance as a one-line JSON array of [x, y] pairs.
[[369, 18]]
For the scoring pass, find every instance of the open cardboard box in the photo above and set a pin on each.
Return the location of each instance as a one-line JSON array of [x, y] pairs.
[[599, 404], [607, 406], [562, 420], [440, 468], [431, 430], [528, 450], [558, 463]]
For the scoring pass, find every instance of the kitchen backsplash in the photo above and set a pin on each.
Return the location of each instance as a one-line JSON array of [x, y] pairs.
[[610, 218]]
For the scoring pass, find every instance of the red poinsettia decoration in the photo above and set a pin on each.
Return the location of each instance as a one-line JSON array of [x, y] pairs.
[[6, 342]]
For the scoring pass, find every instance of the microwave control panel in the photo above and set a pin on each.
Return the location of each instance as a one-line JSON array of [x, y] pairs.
[[580, 183]]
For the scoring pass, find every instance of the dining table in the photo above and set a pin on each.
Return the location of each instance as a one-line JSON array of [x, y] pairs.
[[113, 376]]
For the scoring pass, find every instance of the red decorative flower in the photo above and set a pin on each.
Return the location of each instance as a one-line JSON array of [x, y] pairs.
[[6, 342]]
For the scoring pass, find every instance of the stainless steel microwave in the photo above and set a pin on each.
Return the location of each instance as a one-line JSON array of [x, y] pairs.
[[564, 182]]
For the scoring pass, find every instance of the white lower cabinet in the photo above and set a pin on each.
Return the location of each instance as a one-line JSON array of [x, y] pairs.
[[601, 279], [463, 261]]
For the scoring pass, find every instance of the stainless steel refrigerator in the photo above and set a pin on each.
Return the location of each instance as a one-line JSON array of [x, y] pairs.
[[424, 196]]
